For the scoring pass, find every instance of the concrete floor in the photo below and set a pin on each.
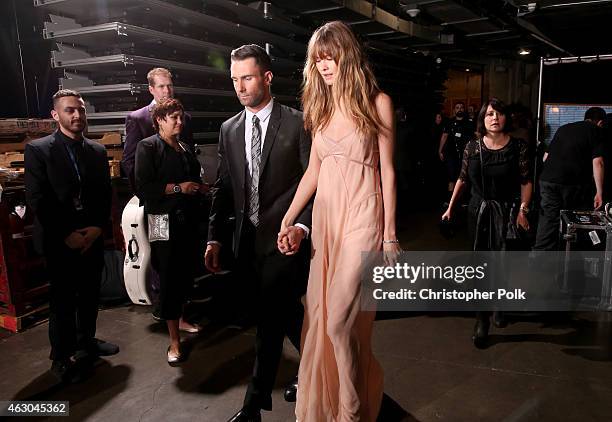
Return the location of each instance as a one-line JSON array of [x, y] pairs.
[[540, 368]]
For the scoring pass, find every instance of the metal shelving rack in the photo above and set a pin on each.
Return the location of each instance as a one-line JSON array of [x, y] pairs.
[[104, 48]]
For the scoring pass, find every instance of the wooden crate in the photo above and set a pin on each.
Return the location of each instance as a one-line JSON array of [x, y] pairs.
[[23, 280], [27, 126]]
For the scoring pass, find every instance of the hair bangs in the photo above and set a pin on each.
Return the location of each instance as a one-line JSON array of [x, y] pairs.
[[325, 45]]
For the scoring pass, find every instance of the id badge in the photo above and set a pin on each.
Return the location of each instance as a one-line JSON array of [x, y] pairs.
[[457, 134], [78, 205]]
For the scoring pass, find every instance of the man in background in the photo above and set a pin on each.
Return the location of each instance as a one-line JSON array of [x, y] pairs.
[[138, 124], [69, 190], [574, 161]]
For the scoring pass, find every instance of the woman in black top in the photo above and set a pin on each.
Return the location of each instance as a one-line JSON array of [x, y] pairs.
[[497, 168], [168, 181]]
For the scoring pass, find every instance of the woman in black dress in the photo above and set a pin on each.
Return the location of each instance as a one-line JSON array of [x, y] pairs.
[[168, 181], [497, 168]]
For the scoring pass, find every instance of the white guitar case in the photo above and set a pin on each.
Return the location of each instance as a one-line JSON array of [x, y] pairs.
[[138, 253]]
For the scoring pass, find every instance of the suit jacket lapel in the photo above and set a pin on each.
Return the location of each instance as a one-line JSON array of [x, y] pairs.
[[273, 125], [238, 147]]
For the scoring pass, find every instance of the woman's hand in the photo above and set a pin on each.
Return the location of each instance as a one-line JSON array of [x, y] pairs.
[[447, 215], [189, 188], [282, 242], [522, 221], [391, 253]]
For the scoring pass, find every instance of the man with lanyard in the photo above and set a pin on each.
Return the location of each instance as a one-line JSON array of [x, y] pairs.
[[452, 143], [68, 188]]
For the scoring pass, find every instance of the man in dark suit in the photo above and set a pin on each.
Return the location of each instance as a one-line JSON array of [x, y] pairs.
[[138, 124], [263, 153], [68, 188]]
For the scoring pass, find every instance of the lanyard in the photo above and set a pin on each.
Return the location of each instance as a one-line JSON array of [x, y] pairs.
[[74, 161]]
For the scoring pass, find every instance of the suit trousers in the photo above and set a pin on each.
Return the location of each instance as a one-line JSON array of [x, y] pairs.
[[74, 291], [278, 286]]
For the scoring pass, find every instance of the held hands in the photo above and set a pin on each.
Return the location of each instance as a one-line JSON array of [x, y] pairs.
[[289, 239], [211, 257]]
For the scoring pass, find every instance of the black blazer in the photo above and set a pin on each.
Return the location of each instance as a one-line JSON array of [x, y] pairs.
[[158, 164], [52, 184], [284, 160]]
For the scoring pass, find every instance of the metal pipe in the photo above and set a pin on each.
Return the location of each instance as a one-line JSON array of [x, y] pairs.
[[574, 59], [464, 21], [550, 43], [577, 3], [23, 79], [477, 34]]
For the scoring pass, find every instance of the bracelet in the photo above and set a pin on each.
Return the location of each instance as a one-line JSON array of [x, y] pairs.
[[391, 241], [524, 209]]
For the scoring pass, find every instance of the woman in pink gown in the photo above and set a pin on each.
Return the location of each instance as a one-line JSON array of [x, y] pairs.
[[351, 170]]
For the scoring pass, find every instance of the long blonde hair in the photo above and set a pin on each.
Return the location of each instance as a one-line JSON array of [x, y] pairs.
[[354, 88]]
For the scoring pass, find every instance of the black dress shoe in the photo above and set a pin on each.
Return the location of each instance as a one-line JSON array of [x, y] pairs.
[[104, 348], [290, 393], [83, 369], [499, 319], [62, 370], [481, 333], [246, 415]]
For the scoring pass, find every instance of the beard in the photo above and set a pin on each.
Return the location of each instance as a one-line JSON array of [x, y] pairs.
[[460, 114], [253, 100], [76, 127]]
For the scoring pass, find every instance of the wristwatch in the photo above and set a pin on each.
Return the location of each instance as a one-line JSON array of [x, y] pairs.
[[524, 209], [177, 189]]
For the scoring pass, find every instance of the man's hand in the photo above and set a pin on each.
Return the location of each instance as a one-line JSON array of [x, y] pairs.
[[75, 240], [211, 257], [597, 201], [289, 240], [90, 234]]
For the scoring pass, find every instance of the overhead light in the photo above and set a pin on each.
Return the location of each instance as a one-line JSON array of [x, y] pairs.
[[524, 51], [467, 69], [412, 9], [438, 60]]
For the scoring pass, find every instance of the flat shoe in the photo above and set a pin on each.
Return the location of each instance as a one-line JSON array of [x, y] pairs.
[[194, 329], [174, 359]]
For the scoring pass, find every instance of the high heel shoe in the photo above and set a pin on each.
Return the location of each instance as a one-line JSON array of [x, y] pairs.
[[481, 333], [174, 359]]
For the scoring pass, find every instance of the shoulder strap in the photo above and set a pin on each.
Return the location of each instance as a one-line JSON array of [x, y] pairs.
[[480, 142]]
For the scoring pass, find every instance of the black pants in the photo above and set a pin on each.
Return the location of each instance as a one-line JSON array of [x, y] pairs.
[[175, 261], [554, 198], [278, 283], [73, 298]]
